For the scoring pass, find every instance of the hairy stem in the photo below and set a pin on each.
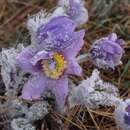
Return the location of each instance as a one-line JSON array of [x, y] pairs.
[[83, 57]]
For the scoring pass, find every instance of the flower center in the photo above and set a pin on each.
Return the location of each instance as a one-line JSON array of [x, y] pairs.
[[54, 67]]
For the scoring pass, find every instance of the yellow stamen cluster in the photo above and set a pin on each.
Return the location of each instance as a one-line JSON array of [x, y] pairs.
[[59, 66]]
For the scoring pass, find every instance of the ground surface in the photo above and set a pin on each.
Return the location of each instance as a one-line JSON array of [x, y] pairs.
[[105, 16]]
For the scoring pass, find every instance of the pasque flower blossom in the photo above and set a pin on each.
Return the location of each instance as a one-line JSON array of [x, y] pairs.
[[107, 51], [52, 59]]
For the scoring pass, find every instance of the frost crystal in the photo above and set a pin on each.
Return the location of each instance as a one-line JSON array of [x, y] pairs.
[[21, 124], [122, 114], [93, 92], [17, 108], [12, 75], [24, 115], [37, 111], [42, 18]]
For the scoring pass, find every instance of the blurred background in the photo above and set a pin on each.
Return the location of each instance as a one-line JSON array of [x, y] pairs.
[[105, 16]]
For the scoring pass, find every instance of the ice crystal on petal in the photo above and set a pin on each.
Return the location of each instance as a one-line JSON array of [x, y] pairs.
[[37, 111], [93, 92], [21, 124], [20, 108], [12, 75], [17, 107], [41, 19]]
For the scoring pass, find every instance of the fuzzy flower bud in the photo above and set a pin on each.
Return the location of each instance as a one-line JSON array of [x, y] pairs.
[[107, 51]]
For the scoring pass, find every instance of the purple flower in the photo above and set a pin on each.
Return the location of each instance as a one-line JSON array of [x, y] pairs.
[[75, 10], [122, 114], [107, 51], [127, 116], [50, 69]]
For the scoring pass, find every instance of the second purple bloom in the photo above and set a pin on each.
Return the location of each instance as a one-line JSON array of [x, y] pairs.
[[107, 51]]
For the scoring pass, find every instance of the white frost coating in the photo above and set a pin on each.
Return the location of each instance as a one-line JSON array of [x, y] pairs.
[[59, 11], [35, 21], [21, 124], [17, 108], [37, 111], [12, 75], [42, 18], [119, 113], [93, 92], [66, 3]]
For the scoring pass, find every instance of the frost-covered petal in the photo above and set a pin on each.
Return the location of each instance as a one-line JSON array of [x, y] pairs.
[[112, 48], [42, 18], [77, 43], [41, 55], [112, 37], [63, 3], [107, 51], [127, 119], [56, 24], [57, 34], [60, 89], [23, 59], [108, 48], [34, 87], [63, 21], [78, 12], [36, 20], [74, 68]]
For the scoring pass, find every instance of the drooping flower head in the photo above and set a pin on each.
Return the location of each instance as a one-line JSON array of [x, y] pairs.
[[52, 59], [122, 114], [107, 51], [76, 10]]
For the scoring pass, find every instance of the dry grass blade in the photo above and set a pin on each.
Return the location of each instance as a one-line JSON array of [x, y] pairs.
[[92, 117]]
